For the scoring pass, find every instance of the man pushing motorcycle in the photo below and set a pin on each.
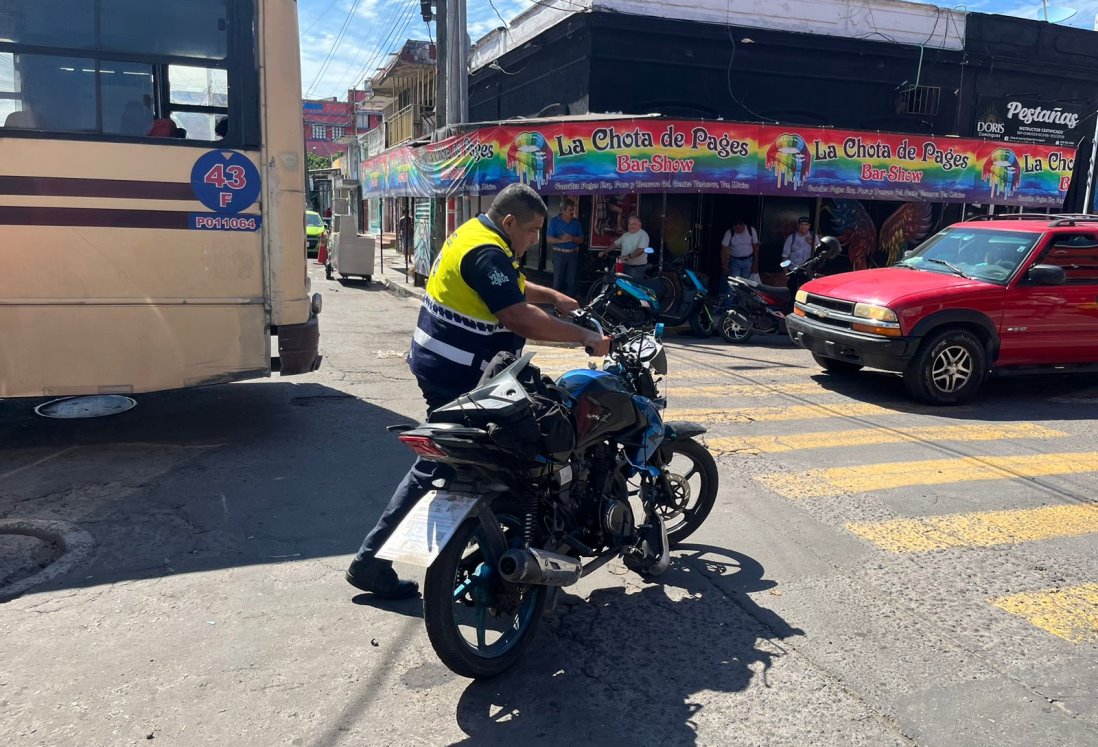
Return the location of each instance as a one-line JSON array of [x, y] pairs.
[[478, 304]]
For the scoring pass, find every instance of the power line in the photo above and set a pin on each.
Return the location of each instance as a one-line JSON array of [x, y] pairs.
[[335, 45], [315, 20], [383, 22], [383, 48]]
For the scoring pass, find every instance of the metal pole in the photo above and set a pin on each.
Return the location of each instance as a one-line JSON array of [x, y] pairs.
[[1088, 205]]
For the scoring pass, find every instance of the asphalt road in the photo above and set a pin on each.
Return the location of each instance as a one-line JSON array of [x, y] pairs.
[[875, 572]]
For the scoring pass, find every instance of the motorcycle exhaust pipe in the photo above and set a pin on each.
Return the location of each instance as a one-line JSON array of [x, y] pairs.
[[740, 318], [540, 567]]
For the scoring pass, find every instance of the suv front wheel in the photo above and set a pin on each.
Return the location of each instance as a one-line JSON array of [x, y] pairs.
[[948, 369]]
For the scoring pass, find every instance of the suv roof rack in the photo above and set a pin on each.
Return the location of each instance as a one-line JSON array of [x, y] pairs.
[[1056, 220]]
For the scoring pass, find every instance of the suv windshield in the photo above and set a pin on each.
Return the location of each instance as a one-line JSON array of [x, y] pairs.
[[984, 253]]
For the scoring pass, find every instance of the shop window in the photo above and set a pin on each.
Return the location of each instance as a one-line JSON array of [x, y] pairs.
[[1078, 255], [196, 28], [40, 23]]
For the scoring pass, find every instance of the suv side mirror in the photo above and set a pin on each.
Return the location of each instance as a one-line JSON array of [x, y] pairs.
[[1046, 275]]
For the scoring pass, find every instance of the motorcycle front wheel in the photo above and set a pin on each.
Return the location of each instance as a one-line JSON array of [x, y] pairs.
[[692, 472], [478, 624]]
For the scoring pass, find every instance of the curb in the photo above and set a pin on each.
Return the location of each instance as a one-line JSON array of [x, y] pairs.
[[402, 291]]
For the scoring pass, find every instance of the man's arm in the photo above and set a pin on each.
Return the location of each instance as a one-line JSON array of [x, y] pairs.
[[553, 233], [540, 294], [788, 247], [534, 324]]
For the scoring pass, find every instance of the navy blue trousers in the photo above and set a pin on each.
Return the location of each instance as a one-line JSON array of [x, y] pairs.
[[416, 484]]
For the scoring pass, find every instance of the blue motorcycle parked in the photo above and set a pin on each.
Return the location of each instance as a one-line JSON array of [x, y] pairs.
[[675, 296]]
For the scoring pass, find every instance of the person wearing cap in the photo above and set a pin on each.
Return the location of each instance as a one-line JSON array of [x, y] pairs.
[[798, 246]]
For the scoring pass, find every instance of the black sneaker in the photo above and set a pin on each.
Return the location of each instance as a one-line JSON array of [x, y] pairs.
[[378, 578]]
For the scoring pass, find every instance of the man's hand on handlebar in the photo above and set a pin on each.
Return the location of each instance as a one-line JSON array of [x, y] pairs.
[[596, 344], [565, 304]]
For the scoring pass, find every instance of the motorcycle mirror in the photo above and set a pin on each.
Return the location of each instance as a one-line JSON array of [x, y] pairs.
[[649, 250], [785, 264], [830, 246]]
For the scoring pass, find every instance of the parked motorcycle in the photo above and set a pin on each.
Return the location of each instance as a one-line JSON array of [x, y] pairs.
[[548, 475], [756, 308], [617, 298]]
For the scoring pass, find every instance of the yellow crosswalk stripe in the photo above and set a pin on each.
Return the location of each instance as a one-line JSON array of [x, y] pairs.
[[861, 479], [1070, 612], [872, 436], [981, 529], [743, 390], [797, 412]]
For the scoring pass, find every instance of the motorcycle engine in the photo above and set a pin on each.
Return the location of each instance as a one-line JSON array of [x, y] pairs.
[[617, 521]]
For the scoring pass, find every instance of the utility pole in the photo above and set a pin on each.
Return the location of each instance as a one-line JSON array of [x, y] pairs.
[[1088, 204], [438, 204], [457, 78]]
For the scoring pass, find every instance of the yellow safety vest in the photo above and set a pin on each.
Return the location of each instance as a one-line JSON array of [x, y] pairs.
[[447, 287]]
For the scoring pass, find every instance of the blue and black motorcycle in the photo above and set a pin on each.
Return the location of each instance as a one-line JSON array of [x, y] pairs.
[[672, 297], [552, 480]]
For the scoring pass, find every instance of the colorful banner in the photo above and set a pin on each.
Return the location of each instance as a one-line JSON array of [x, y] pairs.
[[659, 155]]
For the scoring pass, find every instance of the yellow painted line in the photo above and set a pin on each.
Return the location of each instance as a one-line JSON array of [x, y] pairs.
[[770, 414], [743, 390], [982, 529], [862, 479], [1070, 613], [873, 436]]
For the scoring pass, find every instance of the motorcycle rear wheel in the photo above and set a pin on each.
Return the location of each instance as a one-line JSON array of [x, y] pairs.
[[464, 597], [694, 481], [702, 323], [732, 331]]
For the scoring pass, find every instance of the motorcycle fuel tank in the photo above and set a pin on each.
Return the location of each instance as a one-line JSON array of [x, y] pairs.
[[603, 405]]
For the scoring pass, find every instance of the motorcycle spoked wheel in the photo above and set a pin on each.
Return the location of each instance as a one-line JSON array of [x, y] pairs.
[[732, 331], [692, 472], [478, 624]]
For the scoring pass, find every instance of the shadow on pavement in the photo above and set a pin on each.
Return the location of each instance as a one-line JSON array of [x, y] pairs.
[[634, 667], [203, 479]]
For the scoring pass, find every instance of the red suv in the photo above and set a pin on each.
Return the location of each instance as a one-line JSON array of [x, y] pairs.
[[1010, 294]]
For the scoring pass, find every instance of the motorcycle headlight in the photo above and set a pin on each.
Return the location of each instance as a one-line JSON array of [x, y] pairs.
[[802, 296], [874, 312]]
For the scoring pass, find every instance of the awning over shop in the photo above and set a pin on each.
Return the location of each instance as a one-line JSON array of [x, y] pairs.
[[665, 155]]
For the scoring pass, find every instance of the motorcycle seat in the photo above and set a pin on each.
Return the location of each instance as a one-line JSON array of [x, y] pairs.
[[779, 292]]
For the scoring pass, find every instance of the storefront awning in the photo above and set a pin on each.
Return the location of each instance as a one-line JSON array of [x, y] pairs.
[[664, 155]]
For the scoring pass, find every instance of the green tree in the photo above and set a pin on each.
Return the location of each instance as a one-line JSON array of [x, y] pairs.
[[313, 162]]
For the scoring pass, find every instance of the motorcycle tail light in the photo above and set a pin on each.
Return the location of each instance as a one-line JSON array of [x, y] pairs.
[[422, 445]]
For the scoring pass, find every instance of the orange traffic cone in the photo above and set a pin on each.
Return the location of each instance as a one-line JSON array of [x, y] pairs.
[[322, 252]]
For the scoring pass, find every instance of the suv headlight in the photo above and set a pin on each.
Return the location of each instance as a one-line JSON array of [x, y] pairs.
[[876, 313], [802, 296]]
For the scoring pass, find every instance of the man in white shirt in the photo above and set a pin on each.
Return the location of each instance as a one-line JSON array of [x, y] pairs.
[[632, 244], [798, 246], [740, 250]]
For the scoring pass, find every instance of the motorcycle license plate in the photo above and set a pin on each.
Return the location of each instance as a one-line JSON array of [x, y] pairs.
[[420, 537]]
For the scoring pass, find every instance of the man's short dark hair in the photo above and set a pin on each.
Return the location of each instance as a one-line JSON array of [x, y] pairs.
[[519, 200], [566, 203]]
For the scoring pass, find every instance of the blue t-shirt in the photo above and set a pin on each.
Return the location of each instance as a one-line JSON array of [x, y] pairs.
[[558, 227]]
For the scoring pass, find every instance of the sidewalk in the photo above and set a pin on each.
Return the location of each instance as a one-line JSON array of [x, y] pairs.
[[389, 266]]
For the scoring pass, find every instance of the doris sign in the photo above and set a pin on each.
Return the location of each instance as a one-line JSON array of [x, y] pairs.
[[661, 155], [1013, 120]]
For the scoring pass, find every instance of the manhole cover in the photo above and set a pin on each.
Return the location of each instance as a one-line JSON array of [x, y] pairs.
[[95, 406]]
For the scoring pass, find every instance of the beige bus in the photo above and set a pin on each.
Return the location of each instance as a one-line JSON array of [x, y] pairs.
[[151, 196]]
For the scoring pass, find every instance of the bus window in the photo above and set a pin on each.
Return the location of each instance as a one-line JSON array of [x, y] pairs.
[[37, 23], [50, 93], [127, 93], [194, 28]]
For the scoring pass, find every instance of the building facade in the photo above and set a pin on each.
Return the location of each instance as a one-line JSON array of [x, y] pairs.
[[878, 66], [329, 121]]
